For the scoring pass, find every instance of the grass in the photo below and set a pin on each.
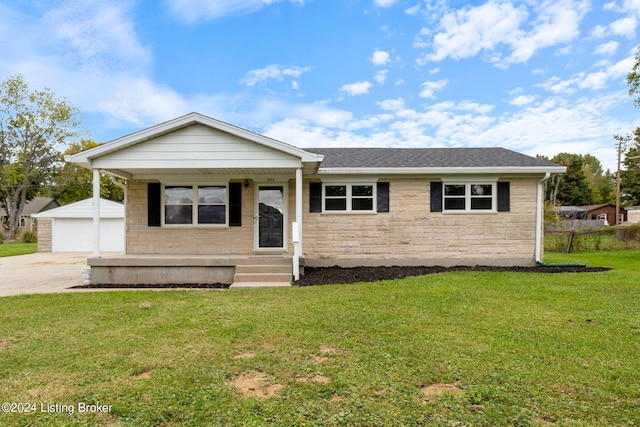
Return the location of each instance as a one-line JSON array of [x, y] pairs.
[[13, 249], [524, 349]]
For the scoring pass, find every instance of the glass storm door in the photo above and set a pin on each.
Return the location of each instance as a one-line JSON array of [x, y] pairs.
[[271, 217]]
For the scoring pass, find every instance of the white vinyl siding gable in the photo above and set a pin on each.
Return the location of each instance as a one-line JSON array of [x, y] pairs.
[[197, 146]]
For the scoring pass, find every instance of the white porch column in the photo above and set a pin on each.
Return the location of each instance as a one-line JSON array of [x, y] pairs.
[[96, 213], [298, 245]]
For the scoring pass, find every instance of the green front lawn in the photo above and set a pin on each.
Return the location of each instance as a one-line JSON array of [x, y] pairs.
[[521, 349], [12, 249]]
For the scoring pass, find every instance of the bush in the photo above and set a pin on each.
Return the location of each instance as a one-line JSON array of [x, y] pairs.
[[1, 237], [29, 237]]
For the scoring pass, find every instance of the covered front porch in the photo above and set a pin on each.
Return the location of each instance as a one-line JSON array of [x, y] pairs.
[[205, 202]]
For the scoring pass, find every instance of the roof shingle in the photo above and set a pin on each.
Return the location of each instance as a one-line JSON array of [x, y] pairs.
[[425, 158]]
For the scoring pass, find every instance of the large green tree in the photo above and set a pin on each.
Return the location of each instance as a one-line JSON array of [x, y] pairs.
[[33, 125], [571, 188], [601, 184], [630, 175], [633, 80], [73, 183]]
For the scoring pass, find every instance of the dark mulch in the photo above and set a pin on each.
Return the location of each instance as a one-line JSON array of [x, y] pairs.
[[334, 275], [339, 275]]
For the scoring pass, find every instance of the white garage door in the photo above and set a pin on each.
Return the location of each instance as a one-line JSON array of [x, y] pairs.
[[76, 235]]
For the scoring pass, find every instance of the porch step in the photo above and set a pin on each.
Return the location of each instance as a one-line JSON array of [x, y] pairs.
[[262, 269], [263, 275], [241, 285]]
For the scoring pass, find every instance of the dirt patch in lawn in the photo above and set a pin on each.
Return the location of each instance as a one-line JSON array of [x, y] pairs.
[[431, 392], [336, 275], [256, 384]]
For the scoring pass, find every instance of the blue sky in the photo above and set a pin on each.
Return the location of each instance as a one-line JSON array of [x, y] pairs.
[[535, 76]]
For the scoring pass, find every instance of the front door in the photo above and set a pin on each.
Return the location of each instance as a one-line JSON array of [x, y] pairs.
[[271, 209]]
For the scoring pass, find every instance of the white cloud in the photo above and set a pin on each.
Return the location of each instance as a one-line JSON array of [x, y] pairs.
[[380, 58], [591, 81], [466, 32], [391, 104], [429, 88], [358, 88], [606, 48], [384, 3], [273, 72], [100, 34], [413, 11], [625, 27], [381, 76], [521, 100], [499, 24], [197, 10]]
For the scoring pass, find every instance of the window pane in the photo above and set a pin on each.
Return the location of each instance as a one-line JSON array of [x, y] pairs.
[[454, 203], [178, 195], [178, 214], [481, 190], [212, 195], [364, 204], [208, 214], [335, 204], [454, 190], [335, 190], [481, 203], [362, 190]]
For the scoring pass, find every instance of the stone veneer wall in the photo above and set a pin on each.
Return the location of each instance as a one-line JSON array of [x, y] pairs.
[[412, 235], [407, 235], [187, 240]]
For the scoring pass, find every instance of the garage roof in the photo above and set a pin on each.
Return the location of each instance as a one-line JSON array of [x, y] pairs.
[[84, 209]]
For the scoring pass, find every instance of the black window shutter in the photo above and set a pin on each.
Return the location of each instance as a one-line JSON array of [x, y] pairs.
[[436, 196], [383, 197], [315, 197], [235, 204], [504, 197], [154, 201]]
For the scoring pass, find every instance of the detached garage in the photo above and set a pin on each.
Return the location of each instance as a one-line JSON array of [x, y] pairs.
[[69, 228]]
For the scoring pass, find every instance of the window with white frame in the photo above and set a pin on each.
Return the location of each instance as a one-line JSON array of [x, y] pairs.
[[469, 197], [195, 204], [349, 197]]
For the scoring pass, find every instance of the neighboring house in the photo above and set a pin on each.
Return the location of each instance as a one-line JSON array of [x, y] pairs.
[[69, 228], [27, 220], [207, 201], [604, 213], [633, 214]]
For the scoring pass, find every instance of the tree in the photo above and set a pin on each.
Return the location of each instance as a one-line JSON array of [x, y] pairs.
[[72, 183], [630, 176], [572, 188], [633, 80], [32, 125], [601, 184]]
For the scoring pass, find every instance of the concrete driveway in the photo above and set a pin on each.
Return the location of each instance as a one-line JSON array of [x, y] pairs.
[[42, 272]]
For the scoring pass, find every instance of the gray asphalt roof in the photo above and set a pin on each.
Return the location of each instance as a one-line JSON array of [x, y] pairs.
[[424, 158]]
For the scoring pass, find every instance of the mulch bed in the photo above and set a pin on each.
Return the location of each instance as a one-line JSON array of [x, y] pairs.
[[339, 275], [333, 275]]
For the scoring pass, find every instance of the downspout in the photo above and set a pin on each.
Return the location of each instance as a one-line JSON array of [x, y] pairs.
[[539, 215]]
